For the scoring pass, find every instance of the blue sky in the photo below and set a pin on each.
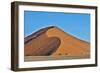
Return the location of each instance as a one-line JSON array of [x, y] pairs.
[[75, 24]]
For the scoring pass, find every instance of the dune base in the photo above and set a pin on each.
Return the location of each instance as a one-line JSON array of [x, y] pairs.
[[45, 58]]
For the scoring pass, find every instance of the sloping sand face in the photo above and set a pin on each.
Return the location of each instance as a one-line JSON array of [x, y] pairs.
[[70, 46], [53, 43]]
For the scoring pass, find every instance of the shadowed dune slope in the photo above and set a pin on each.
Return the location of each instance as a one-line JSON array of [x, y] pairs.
[[52, 41]]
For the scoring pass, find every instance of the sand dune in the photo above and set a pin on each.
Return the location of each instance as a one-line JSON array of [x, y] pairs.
[[54, 42]]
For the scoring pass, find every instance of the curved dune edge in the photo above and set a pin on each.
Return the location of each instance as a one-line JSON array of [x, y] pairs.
[[39, 44]]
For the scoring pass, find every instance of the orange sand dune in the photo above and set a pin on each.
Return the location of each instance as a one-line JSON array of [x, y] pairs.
[[52, 41]]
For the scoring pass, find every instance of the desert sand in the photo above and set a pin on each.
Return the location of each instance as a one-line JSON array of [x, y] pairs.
[[53, 43]]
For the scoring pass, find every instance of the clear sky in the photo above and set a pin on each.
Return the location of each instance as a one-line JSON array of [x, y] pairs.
[[75, 24]]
